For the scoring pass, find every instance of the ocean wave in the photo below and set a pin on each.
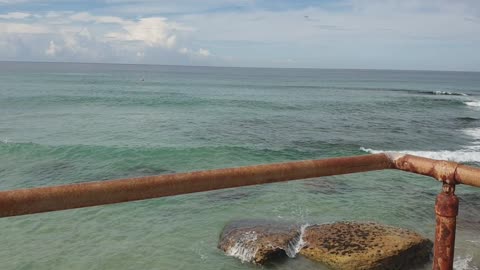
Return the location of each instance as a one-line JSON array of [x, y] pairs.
[[472, 103], [473, 132], [467, 155], [467, 119], [449, 93]]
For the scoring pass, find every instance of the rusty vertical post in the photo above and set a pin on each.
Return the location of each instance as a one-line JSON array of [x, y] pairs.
[[446, 210]]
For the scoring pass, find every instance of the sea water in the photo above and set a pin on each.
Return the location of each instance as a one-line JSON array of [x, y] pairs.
[[70, 123]]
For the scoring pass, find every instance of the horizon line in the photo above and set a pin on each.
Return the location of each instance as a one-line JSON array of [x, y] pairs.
[[246, 67]]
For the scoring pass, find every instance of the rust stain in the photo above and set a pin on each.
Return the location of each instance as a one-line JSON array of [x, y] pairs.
[[444, 171], [446, 210], [37, 200]]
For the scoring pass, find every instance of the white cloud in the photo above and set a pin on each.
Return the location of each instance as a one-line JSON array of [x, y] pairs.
[[199, 53], [85, 33], [82, 36], [15, 15], [183, 50], [203, 52], [10, 2], [339, 34], [23, 28], [87, 17], [52, 49], [155, 32]]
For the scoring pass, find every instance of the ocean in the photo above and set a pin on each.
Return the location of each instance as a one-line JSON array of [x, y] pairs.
[[68, 123]]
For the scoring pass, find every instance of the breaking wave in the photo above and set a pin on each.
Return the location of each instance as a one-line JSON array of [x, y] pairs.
[[470, 153], [466, 155], [297, 243], [474, 133], [475, 103], [449, 93], [244, 249]]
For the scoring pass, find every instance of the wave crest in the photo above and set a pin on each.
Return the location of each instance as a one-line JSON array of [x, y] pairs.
[[475, 103], [457, 156], [449, 93]]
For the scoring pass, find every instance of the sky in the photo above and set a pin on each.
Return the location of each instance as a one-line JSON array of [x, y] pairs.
[[365, 34]]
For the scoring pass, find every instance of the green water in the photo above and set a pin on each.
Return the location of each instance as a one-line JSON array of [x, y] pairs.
[[67, 123]]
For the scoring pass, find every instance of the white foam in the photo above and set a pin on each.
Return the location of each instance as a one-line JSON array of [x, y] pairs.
[[449, 93], [466, 155], [474, 103], [297, 243], [473, 132], [464, 263], [245, 248], [475, 242], [394, 155]]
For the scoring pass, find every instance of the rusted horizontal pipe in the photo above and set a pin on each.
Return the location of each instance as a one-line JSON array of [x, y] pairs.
[[44, 199], [444, 171]]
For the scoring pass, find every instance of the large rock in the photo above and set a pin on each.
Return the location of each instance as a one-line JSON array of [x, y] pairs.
[[258, 241], [362, 246]]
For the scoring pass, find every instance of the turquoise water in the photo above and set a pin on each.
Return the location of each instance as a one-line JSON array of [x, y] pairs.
[[67, 123]]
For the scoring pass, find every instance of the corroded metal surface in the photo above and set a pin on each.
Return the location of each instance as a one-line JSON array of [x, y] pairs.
[[446, 210], [36, 200], [439, 169], [467, 175], [444, 171]]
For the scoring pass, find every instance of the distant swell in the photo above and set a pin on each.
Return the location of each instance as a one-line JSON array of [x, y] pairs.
[[467, 119], [467, 155]]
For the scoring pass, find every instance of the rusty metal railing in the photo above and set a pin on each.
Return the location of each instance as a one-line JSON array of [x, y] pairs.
[[44, 199]]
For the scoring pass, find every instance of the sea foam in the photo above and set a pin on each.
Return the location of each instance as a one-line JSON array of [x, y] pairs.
[[297, 243], [470, 153], [244, 249], [473, 103], [449, 93], [474, 133], [464, 263], [467, 155]]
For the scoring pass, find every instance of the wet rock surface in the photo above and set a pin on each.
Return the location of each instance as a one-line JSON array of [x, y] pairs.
[[340, 245], [258, 241], [362, 246]]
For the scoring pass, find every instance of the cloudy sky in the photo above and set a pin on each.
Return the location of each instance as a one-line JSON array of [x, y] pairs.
[[380, 34]]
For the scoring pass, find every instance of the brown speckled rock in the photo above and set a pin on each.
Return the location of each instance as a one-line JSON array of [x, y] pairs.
[[258, 241], [365, 246]]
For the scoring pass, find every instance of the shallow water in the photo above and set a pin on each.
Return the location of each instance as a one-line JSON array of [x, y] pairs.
[[66, 123]]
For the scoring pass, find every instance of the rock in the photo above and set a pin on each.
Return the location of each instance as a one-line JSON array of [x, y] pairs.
[[258, 241], [365, 246]]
